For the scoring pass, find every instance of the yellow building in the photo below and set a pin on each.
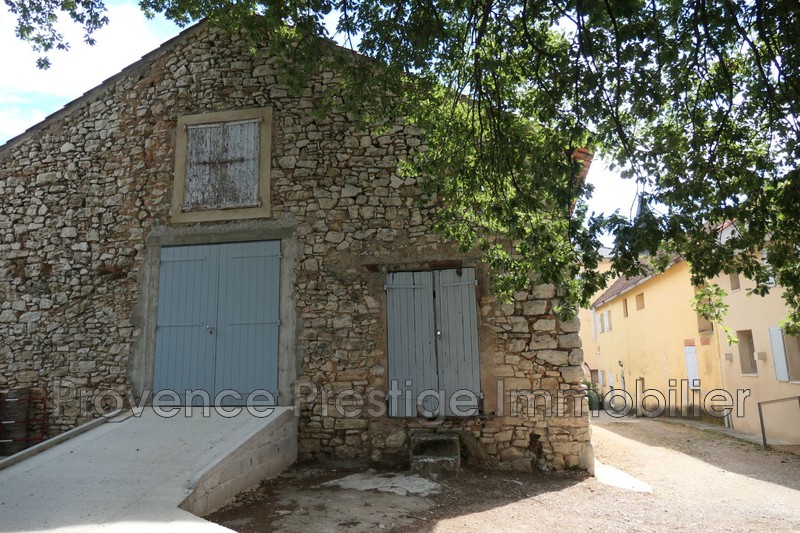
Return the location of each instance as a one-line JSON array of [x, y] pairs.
[[652, 344], [591, 354], [765, 362]]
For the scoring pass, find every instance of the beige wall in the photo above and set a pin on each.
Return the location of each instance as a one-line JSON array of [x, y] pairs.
[[649, 343], [591, 354], [758, 314]]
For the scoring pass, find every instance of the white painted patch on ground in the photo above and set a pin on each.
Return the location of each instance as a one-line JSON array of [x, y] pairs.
[[401, 484], [614, 477]]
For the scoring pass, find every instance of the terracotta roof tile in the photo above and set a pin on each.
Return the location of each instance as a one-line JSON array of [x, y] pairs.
[[620, 286]]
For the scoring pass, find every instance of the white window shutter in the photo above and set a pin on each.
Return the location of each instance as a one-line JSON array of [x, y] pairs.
[[779, 354], [771, 281]]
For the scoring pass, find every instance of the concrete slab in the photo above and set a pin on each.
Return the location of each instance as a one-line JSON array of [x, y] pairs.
[[614, 477], [400, 484], [134, 474]]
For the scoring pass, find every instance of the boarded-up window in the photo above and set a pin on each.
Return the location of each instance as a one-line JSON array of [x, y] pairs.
[[735, 285], [433, 343], [222, 166], [640, 301]]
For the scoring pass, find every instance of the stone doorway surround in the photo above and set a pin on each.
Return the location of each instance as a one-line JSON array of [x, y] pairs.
[[142, 362]]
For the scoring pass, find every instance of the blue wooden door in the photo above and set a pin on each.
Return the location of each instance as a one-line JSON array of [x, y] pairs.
[[217, 324], [411, 336], [432, 334], [457, 339], [187, 307], [247, 321]]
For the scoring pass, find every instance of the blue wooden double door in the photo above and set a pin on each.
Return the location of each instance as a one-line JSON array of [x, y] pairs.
[[433, 351], [217, 323]]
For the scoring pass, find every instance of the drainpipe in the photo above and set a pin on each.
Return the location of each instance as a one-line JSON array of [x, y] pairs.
[[727, 419]]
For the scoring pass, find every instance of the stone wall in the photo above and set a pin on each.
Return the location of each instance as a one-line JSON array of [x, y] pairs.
[[83, 190]]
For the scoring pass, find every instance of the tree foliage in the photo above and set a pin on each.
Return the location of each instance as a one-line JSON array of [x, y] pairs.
[[695, 100], [36, 22]]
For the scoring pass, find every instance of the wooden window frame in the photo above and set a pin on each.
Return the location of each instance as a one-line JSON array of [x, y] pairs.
[[264, 114], [747, 351]]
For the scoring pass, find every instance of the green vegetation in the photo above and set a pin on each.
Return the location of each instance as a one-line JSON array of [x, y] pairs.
[[696, 101]]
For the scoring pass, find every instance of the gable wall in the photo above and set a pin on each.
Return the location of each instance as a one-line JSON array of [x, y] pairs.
[[86, 202]]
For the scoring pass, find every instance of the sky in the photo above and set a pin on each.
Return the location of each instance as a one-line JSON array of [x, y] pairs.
[[28, 95]]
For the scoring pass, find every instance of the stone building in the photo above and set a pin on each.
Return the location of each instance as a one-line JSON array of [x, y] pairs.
[[190, 224]]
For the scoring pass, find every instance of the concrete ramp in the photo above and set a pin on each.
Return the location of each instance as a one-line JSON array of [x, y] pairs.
[[146, 473]]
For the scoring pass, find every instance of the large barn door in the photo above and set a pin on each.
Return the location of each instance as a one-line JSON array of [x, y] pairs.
[[217, 324], [187, 309], [247, 342]]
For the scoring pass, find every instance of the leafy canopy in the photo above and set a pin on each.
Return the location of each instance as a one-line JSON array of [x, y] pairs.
[[696, 100]]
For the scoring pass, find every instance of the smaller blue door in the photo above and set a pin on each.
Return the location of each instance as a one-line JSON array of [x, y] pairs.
[[432, 334]]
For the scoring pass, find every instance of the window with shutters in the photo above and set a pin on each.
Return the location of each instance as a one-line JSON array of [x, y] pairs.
[[785, 355], [222, 166], [792, 344], [432, 337]]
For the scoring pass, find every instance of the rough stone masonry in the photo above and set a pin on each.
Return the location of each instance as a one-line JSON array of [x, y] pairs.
[[83, 191]]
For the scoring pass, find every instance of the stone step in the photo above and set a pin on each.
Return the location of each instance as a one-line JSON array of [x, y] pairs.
[[435, 452]]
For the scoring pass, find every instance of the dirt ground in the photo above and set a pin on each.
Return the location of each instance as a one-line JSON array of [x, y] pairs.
[[701, 482]]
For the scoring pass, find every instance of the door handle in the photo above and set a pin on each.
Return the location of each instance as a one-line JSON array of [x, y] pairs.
[[210, 329]]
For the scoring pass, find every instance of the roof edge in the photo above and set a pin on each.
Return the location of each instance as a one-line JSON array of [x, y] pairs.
[[603, 299], [105, 84], [600, 301]]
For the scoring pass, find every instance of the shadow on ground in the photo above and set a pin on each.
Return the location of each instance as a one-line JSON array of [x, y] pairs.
[[303, 499], [722, 451]]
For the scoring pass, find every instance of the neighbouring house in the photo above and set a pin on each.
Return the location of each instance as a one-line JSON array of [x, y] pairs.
[[190, 224], [649, 338], [765, 361], [591, 352]]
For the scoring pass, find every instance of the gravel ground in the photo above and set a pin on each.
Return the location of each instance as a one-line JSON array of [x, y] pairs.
[[701, 482]]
